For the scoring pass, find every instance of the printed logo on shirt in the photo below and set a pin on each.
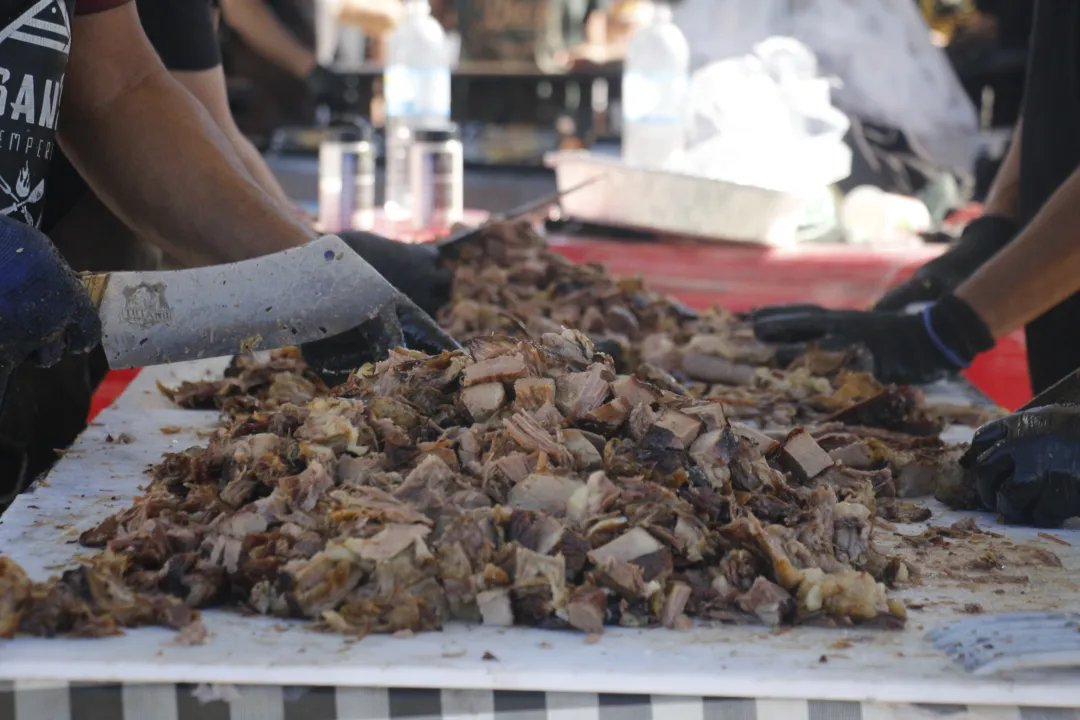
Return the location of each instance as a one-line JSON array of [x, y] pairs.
[[34, 49]]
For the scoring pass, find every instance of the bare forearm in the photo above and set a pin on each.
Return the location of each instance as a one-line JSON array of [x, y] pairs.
[[256, 24], [260, 172], [374, 17], [190, 195], [1004, 196], [1036, 271], [208, 87]]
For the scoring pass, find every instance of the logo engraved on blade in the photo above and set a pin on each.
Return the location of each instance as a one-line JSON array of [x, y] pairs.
[[145, 305]]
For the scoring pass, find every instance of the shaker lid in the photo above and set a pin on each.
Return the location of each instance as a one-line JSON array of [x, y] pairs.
[[435, 133], [354, 130]]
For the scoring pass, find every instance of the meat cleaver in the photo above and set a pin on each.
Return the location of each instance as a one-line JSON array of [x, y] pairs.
[[300, 295], [1065, 390], [448, 244]]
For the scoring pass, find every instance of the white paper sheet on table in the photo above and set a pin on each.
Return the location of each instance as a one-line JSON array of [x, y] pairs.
[[97, 478]]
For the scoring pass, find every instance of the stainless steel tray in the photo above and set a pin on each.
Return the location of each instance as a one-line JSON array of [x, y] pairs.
[[673, 203]]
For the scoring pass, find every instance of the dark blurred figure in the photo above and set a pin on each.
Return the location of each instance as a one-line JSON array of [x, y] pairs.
[[991, 54], [270, 44], [990, 58], [986, 41]]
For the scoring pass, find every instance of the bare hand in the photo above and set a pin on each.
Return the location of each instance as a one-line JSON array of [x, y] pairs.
[[375, 17]]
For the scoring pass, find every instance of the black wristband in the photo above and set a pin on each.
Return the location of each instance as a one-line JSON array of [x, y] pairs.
[[957, 330]]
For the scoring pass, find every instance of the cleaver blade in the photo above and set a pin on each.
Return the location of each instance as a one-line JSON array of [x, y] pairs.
[[291, 297]]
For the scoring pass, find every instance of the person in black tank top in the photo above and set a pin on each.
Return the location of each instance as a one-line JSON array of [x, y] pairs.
[[271, 44], [184, 34], [155, 167], [35, 46], [1024, 242], [92, 238], [44, 408], [1025, 273]]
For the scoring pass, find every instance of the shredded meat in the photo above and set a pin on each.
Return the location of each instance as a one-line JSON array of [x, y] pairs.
[[358, 512], [640, 470]]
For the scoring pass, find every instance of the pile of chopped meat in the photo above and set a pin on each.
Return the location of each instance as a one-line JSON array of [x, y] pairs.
[[520, 483], [532, 480], [510, 282]]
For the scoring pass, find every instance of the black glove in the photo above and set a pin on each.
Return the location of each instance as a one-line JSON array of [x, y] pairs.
[[392, 320], [400, 325], [981, 240], [1026, 466], [44, 310], [907, 349], [327, 87], [413, 268]]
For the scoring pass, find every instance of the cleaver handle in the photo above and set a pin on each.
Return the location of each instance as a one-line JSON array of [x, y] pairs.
[[95, 284]]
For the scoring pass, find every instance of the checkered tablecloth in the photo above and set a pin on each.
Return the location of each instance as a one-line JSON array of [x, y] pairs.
[[31, 701]]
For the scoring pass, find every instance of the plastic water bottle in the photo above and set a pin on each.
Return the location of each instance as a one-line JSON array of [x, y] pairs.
[[655, 91], [416, 86]]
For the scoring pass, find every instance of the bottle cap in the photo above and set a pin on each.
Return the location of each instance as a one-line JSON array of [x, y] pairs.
[[435, 133], [355, 130]]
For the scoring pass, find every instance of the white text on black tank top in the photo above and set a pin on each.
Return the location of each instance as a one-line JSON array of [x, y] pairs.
[[34, 48]]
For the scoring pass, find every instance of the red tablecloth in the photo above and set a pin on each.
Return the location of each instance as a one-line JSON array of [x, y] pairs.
[[739, 277]]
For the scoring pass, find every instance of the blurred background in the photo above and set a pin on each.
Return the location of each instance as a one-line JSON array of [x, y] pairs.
[[753, 151], [532, 76]]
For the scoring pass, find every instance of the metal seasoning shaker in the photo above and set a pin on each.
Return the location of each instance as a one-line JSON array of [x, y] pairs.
[[347, 178], [436, 177]]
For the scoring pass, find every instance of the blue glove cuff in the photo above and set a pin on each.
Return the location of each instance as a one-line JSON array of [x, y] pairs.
[[956, 330], [944, 349]]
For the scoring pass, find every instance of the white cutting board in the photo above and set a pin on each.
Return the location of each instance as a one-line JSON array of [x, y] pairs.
[[96, 478]]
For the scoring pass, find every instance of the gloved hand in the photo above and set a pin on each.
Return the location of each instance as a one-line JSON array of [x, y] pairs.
[[329, 88], [45, 311], [981, 240], [906, 349], [414, 269], [390, 320], [400, 324], [1026, 466]]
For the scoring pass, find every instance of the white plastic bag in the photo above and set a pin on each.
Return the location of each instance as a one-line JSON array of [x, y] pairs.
[[766, 120], [879, 50]]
